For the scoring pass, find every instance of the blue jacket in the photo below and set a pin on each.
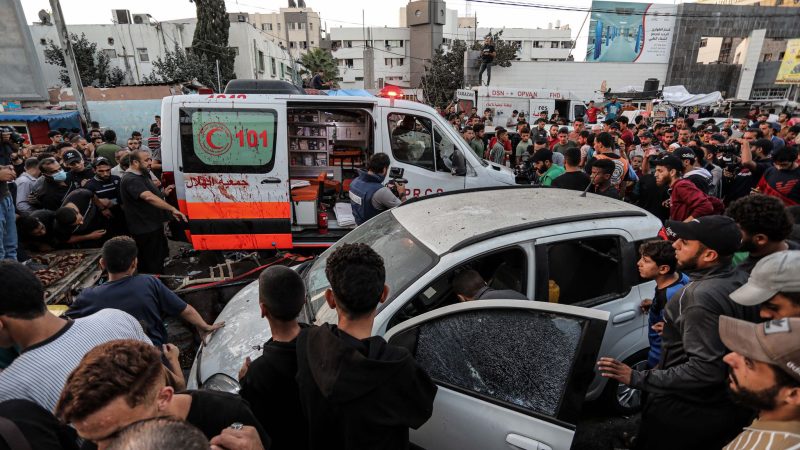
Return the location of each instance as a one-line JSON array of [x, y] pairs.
[[657, 315], [361, 191]]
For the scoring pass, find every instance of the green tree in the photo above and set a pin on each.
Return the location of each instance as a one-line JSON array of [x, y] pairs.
[[506, 50], [93, 67], [319, 59], [210, 41], [179, 66], [445, 73]]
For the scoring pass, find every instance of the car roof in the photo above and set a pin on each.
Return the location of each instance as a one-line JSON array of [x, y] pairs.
[[450, 221]]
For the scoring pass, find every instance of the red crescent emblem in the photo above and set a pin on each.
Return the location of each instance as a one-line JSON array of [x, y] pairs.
[[209, 139]]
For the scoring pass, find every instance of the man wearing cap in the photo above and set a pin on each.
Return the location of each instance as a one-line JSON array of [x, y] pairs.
[[688, 406], [773, 286], [543, 163], [686, 201], [78, 174], [765, 375]]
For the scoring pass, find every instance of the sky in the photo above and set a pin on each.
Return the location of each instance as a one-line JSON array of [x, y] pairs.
[[335, 13]]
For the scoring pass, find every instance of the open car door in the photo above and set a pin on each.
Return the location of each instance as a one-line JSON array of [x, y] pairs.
[[511, 373]]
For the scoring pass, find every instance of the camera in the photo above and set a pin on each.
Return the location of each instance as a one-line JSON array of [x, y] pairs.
[[393, 183], [15, 137]]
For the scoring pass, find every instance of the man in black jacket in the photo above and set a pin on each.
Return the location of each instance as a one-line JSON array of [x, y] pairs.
[[357, 391], [268, 383], [688, 406]]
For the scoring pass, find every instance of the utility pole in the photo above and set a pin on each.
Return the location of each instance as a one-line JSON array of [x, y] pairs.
[[69, 60]]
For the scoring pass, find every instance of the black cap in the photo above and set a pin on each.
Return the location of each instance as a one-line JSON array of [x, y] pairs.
[[670, 162], [100, 161], [648, 134], [540, 139], [542, 155], [719, 233], [718, 138], [609, 121], [614, 126], [685, 153], [71, 156]]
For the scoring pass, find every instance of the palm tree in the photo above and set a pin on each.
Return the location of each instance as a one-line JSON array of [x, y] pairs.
[[318, 59]]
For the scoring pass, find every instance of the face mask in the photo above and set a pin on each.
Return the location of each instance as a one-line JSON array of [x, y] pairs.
[[60, 176]]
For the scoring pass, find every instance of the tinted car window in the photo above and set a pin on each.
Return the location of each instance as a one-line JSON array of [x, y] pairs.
[[512, 357]]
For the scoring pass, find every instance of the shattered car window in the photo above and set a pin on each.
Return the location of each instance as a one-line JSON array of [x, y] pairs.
[[521, 358]]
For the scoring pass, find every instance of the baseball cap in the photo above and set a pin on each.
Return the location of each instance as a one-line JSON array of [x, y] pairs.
[[685, 153], [648, 134], [71, 156], [778, 272], [719, 233], [776, 342], [99, 161], [670, 162], [542, 155]]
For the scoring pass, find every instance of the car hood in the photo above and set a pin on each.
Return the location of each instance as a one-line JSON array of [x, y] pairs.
[[244, 333], [502, 174]]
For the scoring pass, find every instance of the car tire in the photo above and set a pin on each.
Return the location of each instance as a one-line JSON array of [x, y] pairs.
[[625, 400]]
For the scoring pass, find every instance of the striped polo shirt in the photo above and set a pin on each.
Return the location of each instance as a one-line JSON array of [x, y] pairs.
[[767, 435]]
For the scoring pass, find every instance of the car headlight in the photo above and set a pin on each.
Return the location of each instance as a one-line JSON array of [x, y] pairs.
[[221, 382]]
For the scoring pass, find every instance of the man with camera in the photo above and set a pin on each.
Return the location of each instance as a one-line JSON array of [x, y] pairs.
[[369, 196], [745, 162]]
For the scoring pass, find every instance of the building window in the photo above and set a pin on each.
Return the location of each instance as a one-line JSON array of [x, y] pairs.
[[311, 25], [273, 69], [538, 44], [359, 78], [283, 71], [703, 42], [348, 63], [554, 44], [348, 44], [566, 44], [767, 57], [110, 53], [400, 61], [301, 26], [260, 61], [388, 62], [143, 56], [291, 44], [303, 44], [292, 25], [279, 26], [780, 56]]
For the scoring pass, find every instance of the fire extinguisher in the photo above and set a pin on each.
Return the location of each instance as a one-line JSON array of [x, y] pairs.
[[322, 221]]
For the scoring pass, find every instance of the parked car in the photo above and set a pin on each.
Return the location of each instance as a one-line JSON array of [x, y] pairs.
[[559, 248]]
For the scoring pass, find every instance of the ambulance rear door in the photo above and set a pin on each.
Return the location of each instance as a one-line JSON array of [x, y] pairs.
[[234, 168], [539, 105]]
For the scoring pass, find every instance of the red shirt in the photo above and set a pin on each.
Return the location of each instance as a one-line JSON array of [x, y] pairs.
[[591, 113], [687, 200]]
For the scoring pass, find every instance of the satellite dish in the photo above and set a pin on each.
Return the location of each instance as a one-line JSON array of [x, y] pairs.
[[44, 17]]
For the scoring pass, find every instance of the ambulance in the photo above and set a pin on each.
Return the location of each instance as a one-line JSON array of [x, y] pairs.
[[256, 171], [503, 101]]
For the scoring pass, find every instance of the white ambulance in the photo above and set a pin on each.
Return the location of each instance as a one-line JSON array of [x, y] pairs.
[[255, 171], [503, 101]]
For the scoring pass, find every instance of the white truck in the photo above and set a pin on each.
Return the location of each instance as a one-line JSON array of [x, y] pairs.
[[504, 100]]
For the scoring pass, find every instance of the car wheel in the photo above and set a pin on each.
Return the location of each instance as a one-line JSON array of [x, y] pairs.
[[622, 399]]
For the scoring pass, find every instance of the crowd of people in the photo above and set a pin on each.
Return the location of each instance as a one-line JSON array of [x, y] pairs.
[[723, 368], [78, 192]]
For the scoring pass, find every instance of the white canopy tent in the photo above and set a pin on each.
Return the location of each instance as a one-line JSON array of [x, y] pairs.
[[680, 97]]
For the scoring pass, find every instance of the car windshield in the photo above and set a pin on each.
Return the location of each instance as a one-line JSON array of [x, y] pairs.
[[404, 257]]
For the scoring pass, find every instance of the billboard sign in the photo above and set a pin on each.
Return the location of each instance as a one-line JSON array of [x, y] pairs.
[[789, 73], [630, 32]]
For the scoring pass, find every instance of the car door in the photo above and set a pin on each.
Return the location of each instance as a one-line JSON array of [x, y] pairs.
[[510, 373], [595, 269], [422, 148], [235, 175]]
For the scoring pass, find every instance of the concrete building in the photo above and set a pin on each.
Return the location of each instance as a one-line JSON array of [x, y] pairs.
[[134, 46], [535, 44], [736, 50], [297, 29], [391, 62]]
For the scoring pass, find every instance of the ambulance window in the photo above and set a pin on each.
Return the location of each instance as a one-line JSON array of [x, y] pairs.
[[411, 140], [445, 149], [228, 141]]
